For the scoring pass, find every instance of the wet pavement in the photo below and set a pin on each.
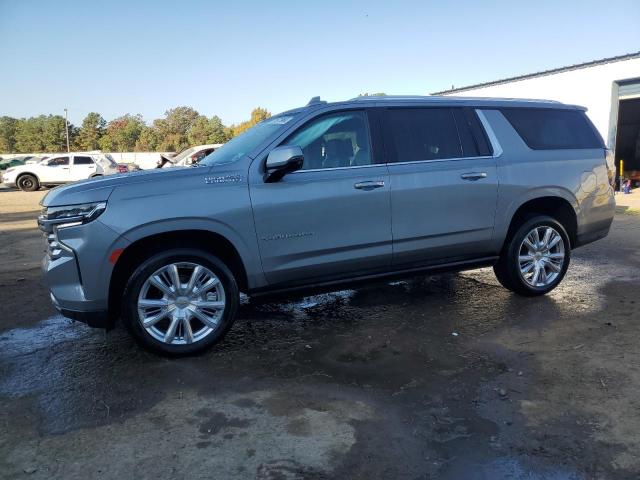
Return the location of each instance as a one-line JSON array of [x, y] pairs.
[[447, 377]]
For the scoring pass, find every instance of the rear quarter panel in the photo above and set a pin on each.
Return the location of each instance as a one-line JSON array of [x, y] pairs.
[[577, 175]]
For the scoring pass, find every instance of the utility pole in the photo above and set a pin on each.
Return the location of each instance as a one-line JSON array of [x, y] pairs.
[[66, 128]]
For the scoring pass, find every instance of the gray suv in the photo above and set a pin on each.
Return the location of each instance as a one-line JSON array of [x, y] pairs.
[[327, 195]]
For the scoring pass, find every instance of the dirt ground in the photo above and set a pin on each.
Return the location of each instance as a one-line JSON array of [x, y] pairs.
[[448, 377]]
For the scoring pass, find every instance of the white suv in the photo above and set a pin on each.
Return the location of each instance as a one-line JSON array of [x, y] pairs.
[[58, 170]]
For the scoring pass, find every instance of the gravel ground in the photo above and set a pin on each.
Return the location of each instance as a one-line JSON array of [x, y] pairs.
[[446, 377]]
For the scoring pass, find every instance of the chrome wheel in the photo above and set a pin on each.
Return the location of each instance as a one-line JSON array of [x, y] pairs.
[[541, 256], [181, 303]]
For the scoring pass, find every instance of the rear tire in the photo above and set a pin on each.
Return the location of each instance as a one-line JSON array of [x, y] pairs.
[[192, 292], [28, 183], [535, 257]]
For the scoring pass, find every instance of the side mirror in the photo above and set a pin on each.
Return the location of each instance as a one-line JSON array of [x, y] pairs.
[[282, 160]]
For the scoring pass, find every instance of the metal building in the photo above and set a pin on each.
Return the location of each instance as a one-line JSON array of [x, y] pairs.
[[609, 88]]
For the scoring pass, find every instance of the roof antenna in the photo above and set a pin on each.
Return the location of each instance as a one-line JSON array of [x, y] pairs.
[[315, 100]]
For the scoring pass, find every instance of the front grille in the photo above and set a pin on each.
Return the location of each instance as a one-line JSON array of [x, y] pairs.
[[53, 247]]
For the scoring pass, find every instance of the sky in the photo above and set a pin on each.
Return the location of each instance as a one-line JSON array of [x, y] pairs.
[[225, 58]]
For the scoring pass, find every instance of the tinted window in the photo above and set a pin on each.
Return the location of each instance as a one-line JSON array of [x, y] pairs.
[[82, 161], [471, 130], [469, 144], [56, 162], [334, 140], [423, 134], [550, 129]]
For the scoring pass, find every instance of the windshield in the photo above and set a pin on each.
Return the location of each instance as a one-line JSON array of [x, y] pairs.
[[244, 143]]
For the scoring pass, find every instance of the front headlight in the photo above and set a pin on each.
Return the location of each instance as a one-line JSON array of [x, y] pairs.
[[70, 215]]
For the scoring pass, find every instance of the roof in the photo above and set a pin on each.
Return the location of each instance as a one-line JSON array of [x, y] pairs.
[[543, 73]]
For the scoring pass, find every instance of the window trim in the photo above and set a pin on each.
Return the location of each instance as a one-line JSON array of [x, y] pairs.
[[368, 124], [473, 117], [496, 147]]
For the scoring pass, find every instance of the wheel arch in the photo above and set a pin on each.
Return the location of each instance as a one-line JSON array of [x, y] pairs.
[[147, 245], [28, 172], [559, 205]]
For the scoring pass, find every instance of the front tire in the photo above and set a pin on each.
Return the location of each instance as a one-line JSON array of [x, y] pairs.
[[180, 302], [535, 257], [28, 183]]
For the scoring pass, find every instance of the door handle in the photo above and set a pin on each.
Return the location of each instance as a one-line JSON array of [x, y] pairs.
[[368, 185], [473, 175]]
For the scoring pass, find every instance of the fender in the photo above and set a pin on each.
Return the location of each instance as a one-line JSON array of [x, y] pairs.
[[28, 172], [248, 254]]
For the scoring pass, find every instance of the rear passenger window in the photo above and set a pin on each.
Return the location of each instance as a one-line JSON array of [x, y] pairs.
[[553, 129], [82, 161], [422, 134]]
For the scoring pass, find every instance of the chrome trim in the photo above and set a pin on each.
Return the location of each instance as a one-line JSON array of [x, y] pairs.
[[473, 175], [497, 148], [338, 168], [454, 159], [368, 185]]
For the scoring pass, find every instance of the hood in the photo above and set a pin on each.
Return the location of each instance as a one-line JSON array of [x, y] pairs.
[[18, 168], [99, 189]]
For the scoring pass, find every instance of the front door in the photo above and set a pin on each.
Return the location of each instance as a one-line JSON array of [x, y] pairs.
[[57, 170], [443, 185], [331, 219]]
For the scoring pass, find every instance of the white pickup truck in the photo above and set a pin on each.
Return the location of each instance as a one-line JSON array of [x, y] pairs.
[[58, 170]]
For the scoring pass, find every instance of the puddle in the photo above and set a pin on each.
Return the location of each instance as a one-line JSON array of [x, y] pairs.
[[46, 334], [508, 468]]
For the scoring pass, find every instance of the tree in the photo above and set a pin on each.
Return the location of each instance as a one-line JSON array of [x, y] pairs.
[[218, 130], [122, 133], [93, 128], [204, 131], [54, 134], [148, 140], [28, 134], [173, 129], [7, 134], [257, 115]]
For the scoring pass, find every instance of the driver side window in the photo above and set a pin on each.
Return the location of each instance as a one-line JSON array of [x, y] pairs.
[[336, 140]]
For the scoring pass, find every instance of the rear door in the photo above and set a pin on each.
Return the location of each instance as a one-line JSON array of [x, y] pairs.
[[331, 219], [443, 185], [83, 167]]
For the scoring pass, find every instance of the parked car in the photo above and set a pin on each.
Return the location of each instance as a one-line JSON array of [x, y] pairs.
[[58, 170], [11, 162], [325, 196], [190, 156]]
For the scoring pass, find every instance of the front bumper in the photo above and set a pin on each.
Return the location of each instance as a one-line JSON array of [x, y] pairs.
[[76, 272], [8, 183], [96, 318]]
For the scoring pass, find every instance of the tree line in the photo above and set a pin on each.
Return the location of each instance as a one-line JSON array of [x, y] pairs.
[[180, 127]]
